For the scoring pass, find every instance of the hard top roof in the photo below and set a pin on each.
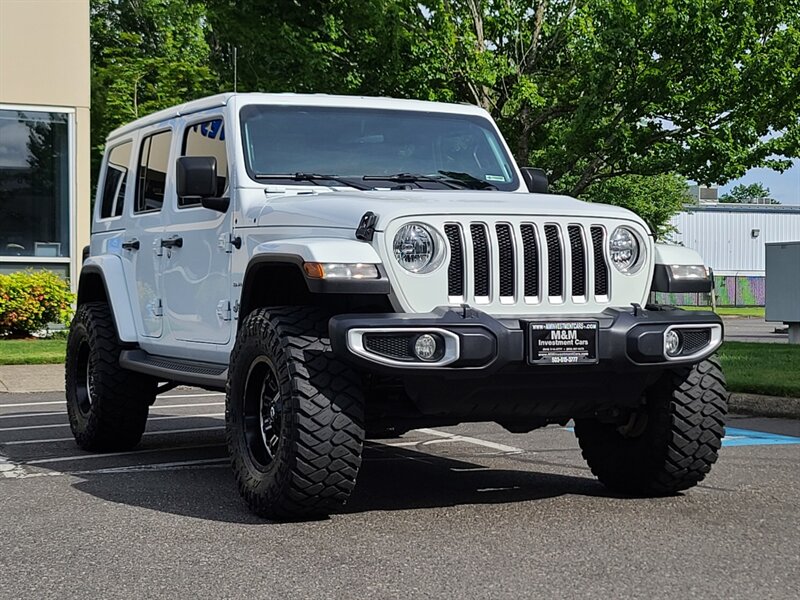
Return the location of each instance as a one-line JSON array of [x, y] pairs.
[[289, 100]]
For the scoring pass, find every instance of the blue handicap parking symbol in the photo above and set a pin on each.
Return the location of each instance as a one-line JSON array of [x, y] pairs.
[[746, 437]]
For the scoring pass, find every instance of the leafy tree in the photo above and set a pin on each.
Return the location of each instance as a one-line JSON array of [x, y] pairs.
[[595, 89], [328, 46], [755, 193], [591, 90], [655, 198], [146, 55]]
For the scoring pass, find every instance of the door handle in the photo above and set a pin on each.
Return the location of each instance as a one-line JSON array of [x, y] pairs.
[[172, 242], [131, 244]]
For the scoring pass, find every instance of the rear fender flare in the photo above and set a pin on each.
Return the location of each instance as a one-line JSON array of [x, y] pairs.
[[111, 272]]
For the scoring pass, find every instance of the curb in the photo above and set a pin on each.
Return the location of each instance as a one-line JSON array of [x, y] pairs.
[[764, 406]]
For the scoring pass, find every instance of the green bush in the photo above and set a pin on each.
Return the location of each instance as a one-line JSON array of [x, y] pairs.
[[29, 300]]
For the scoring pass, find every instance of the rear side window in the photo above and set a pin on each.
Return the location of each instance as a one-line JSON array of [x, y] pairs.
[[207, 139], [152, 176], [113, 199]]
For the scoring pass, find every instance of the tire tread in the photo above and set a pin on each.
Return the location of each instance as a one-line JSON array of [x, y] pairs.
[[683, 438], [328, 411], [119, 412]]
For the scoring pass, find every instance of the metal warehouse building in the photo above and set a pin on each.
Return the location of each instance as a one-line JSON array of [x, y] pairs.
[[731, 239]]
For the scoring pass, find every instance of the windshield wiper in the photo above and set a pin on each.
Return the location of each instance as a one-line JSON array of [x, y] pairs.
[[469, 180], [314, 178], [453, 184], [453, 180]]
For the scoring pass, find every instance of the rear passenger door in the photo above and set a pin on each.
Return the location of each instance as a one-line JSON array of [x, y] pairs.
[[196, 276], [142, 246]]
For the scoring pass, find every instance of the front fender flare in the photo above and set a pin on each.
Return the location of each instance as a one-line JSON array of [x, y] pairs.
[[322, 250], [295, 252], [669, 255]]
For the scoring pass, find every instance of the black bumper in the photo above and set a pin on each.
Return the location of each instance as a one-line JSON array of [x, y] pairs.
[[627, 340]]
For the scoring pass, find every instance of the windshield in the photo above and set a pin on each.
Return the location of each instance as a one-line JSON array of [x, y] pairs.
[[361, 142]]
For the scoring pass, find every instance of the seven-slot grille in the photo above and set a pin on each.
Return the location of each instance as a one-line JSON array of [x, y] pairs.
[[534, 263]]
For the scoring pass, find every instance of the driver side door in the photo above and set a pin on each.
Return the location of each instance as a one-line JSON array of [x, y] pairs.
[[196, 275]]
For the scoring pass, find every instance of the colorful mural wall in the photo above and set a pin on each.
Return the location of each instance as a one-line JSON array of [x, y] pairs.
[[731, 290]]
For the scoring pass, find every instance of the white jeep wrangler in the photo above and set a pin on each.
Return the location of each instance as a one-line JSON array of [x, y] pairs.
[[346, 266]]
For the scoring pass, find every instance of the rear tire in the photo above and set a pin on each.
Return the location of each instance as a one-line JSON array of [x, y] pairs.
[[670, 444], [294, 416], [106, 404]]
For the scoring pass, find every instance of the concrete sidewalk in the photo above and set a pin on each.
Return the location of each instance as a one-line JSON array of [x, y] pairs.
[[17, 379]]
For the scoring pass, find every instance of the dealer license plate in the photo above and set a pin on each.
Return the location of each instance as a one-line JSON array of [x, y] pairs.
[[562, 342]]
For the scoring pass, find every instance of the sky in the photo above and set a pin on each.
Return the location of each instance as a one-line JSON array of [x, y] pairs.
[[784, 187]]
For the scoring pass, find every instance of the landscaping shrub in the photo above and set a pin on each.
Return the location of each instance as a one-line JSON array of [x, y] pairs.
[[29, 300]]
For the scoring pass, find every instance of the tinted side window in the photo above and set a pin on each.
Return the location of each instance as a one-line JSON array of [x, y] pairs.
[[152, 175], [207, 139], [113, 198]]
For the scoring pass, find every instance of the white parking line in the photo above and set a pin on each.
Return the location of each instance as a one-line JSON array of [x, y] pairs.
[[423, 442], [157, 432], [192, 395], [63, 412], [34, 414], [17, 472], [159, 406], [44, 461], [53, 402], [472, 440], [157, 418], [19, 404], [10, 469], [170, 466]]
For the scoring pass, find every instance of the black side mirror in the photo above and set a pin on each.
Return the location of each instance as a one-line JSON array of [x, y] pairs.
[[535, 180], [217, 204], [196, 177]]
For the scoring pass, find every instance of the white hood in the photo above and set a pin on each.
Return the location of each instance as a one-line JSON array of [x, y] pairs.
[[344, 209]]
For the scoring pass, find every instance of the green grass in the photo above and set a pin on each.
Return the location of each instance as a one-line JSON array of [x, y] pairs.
[[770, 369], [32, 352], [732, 311]]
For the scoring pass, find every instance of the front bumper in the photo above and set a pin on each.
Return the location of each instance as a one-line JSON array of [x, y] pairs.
[[473, 341]]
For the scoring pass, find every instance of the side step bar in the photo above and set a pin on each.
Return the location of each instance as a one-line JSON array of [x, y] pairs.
[[202, 374]]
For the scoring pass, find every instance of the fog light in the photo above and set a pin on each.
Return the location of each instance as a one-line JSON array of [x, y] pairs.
[[672, 343], [425, 347]]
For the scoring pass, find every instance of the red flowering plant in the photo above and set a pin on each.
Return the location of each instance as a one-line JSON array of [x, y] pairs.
[[31, 300]]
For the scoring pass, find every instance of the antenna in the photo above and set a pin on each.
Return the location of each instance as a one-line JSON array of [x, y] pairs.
[[235, 67]]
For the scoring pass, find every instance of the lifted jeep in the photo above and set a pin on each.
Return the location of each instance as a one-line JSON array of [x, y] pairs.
[[347, 267]]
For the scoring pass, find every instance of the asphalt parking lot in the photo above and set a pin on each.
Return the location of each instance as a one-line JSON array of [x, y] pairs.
[[467, 512]]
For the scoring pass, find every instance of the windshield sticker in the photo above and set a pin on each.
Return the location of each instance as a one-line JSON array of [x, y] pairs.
[[495, 178]]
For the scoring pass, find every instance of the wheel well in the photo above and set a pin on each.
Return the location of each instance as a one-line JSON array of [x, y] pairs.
[[91, 288], [283, 284]]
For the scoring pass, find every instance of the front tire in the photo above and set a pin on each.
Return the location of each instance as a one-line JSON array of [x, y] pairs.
[[667, 446], [106, 404], [294, 416]]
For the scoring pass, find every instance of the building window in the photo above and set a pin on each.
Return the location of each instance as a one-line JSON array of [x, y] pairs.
[[34, 184]]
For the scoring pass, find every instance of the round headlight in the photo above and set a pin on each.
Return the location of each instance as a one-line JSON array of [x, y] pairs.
[[624, 249], [414, 247]]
